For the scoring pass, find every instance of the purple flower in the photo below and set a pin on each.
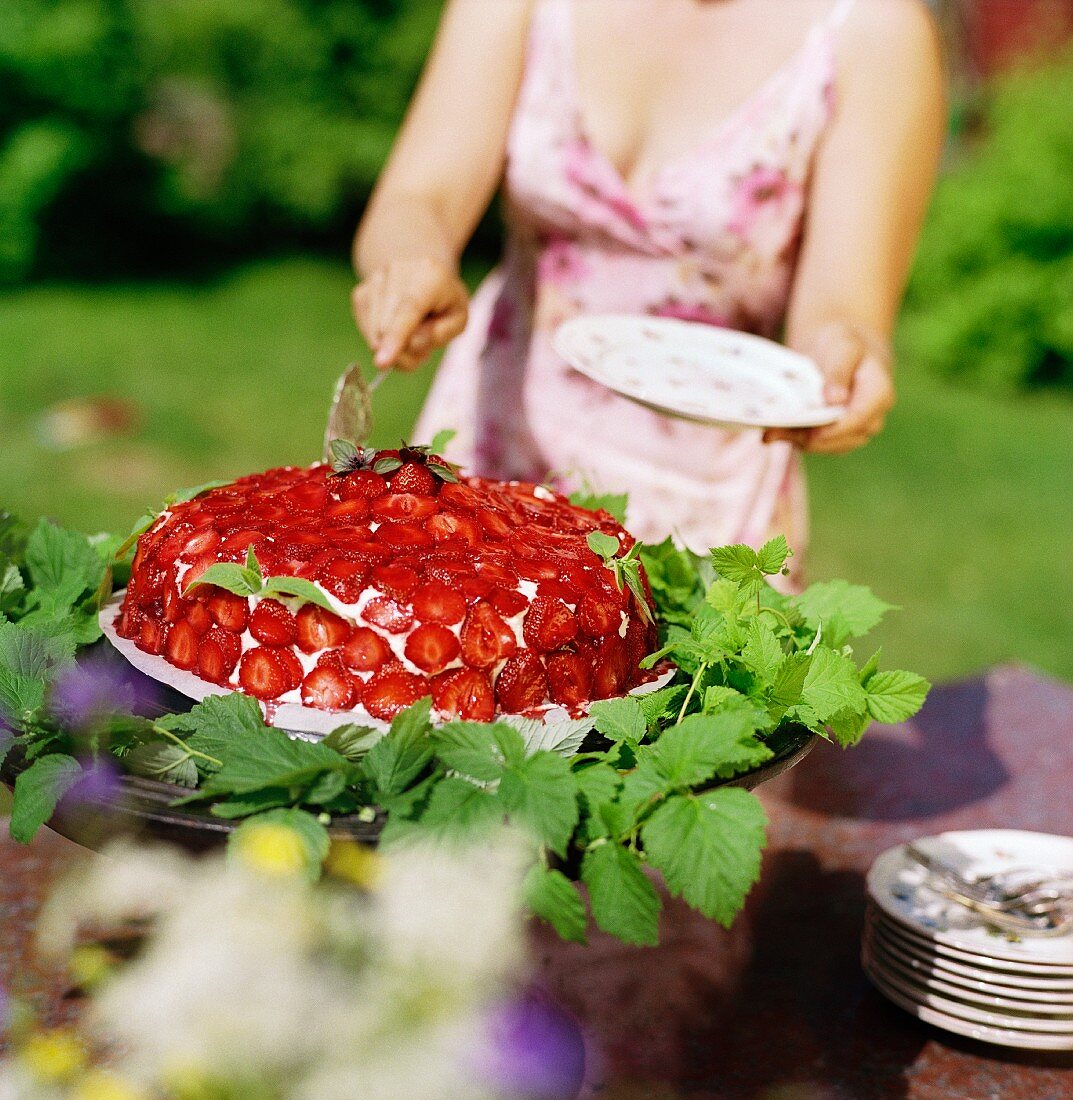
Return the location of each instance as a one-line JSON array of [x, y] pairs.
[[5, 1009], [91, 690], [536, 1052], [97, 786]]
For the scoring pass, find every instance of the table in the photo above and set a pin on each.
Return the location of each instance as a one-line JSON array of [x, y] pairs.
[[778, 1008]]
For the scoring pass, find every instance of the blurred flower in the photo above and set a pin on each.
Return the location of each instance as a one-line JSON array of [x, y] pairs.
[[91, 690], [82, 420], [5, 1009], [269, 849], [354, 863], [102, 1084], [53, 1056], [97, 786], [535, 1051]]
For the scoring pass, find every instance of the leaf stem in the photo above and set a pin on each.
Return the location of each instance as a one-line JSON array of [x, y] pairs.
[[692, 690], [183, 745]]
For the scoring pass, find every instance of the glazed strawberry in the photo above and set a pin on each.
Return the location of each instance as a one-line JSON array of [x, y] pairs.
[[319, 628], [415, 478], [598, 614], [263, 673], [395, 580], [569, 678], [201, 541], [228, 610], [549, 625], [352, 509], [391, 690], [431, 647], [272, 624], [612, 667], [181, 646], [434, 602], [508, 602], [537, 570], [402, 536], [486, 638], [388, 614], [476, 588], [450, 526], [522, 683], [464, 693], [404, 506], [328, 688], [365, 650], [361, 484], [175, 607], [494, 524], [150, 636], [217, 655]]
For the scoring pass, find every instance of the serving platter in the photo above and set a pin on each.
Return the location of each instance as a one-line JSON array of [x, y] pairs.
[[697, 372]]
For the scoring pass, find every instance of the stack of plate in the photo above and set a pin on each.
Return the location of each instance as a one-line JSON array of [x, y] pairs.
[[937, 960]]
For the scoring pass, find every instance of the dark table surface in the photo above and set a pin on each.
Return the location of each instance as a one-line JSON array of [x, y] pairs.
[[777, 1008]]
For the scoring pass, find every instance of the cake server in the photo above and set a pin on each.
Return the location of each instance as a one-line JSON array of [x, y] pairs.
[[351, 413]]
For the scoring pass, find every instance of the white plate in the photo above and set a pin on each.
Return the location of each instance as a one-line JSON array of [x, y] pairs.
[[1002, 982], [999, 998], [1001, 1036], [897, 885], [555, 730], [697, 372], [954, 1006]]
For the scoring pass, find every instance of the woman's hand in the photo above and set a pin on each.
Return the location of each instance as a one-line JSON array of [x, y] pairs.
[[409, 308], [857, 374]]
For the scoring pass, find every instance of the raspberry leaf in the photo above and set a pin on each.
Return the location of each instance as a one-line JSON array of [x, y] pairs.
[[554, 898], [624, 902]]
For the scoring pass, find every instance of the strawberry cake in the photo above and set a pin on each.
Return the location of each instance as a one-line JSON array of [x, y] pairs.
[[485, 595]]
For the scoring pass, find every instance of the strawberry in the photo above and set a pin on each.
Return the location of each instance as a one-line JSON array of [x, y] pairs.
[[217, 655], [432, 647], [236, 545], [476, 588], [496, 574], [486, 638], [612, 667], [434, 602], [395, 580], [522, 683], [557, 590], [365, 650], [569, 678], [549, 624], [353, 509], [305, 497], [508, 602], [175, 607], [201, 541], [460, 497], [412, 477], [402, 536], [150, 637], [198, 617], [640, 641], [319, 628], [598, 614], [494, 524], [181, 646], [388, 614], [228, 610], [404, 506], [464, 693], [272, 624], [393, 689], [359, 485], [328, 688], [536, 570], [264, 674], [449, 526]]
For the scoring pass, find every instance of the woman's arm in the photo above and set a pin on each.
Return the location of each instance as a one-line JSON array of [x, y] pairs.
[[438, 181], [870, 190]]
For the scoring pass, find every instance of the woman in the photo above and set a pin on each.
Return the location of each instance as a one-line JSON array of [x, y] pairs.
[[757, 164]]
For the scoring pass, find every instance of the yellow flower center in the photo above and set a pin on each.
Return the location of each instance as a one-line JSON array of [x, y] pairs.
[[270, 849]]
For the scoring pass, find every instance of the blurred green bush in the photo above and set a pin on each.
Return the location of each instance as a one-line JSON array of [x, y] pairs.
[[991, 298], [136, 135]]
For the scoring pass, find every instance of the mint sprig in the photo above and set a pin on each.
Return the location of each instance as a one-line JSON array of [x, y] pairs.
[[248, 580], [626, 569]]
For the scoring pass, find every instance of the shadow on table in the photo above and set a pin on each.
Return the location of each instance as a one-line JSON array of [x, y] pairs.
[[938, 762], [777, 1006]]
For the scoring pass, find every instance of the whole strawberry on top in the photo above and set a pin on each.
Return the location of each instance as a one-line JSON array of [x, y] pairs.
[[387, 577]]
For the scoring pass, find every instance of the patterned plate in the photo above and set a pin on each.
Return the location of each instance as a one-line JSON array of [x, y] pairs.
[[697, 372]]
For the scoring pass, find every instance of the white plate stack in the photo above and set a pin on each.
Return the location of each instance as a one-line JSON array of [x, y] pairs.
[[939, 961]]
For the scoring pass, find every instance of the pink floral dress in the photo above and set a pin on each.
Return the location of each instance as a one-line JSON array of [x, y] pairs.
[[715, 239]]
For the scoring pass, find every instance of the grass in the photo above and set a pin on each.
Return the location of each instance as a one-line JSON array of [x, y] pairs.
[[960, 513]]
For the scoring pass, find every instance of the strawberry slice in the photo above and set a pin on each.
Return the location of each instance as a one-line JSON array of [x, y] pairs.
[[402, 536], [150, 635], [496, 574], [175, 607], [599, 614], [359, 485], [272, 624], [365, 650], [522, 683], [199, 618], [393, 689], [570, 678], [319, 628], [557, 590], [476, 588], [217, 655], [508, 602], [486, 638], [388, 614], [434, 602], [412, 477], [494, 524], [228, 610], [549, 625], [451, 527], [181, 646], [265, 674], [432, 647], [612, 669], [404, 506], [464, 693], [459, 496], [328, 688], [355, 508], [395, 580], [201, 541], [536, 570]]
